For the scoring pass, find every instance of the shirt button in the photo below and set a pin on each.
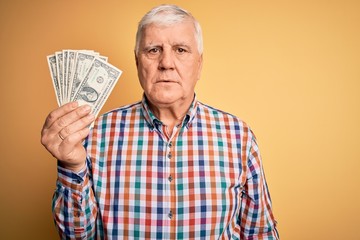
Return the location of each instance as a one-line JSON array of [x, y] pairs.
[[170, 215], [170, 178], [169, 155], [170, 144]]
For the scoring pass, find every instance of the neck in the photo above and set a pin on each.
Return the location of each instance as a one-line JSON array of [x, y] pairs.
[[170, 114]]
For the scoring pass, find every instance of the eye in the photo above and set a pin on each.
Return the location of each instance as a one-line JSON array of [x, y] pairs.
[[181, 50], [154, 50]]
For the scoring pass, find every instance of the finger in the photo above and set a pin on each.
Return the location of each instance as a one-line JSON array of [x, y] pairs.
[[70, 118], [59, 112], [64, 148], [50, 134], [72, 145], [76, 126], [72, 122], [76, 137]]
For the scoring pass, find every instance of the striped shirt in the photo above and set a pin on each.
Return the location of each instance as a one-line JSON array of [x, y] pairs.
[[205, 181]]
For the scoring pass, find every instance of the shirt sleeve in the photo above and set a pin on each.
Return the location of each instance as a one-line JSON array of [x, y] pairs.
[[256, 218], [74, 207]]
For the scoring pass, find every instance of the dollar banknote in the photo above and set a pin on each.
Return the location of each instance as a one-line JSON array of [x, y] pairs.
[[97, 85], [69, 71], [59, 69], [82, 75], [81, 67], [53, 72], [65, 54]]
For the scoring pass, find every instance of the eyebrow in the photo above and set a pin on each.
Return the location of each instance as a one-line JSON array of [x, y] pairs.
[[180, 44]]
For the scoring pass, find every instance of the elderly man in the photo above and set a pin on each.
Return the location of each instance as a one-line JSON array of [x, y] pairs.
[[167, 167]]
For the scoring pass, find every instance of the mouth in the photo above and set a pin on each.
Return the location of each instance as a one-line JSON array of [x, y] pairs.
[[166, 81]]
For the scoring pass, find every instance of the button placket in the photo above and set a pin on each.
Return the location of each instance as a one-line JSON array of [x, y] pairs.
[[170, 178], [171, 159], [169, 156]]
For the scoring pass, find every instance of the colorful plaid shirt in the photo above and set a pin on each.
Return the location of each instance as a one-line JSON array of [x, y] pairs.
[[205, 181]]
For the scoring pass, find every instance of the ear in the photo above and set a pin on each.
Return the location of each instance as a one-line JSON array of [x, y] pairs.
[[136, 59], [200, 66]]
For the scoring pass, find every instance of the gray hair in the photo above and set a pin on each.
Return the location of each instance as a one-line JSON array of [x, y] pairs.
[[166, 15]]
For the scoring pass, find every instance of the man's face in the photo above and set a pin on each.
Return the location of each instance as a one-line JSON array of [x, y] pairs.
[[169, 63]]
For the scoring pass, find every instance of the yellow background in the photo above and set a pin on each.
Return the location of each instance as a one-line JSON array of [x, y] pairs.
[[290, 69]]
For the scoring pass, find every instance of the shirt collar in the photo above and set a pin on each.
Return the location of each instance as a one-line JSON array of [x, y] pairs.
[[153, 122]]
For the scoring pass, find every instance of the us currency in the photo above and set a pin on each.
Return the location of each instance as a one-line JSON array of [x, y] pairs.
[[83, 76], [104, 58], [51, 59], [97, 85], [59, 69], [82, 65], [65, 54], [69, 72]]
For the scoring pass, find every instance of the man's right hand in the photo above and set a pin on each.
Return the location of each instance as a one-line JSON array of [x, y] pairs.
[[63, 132]]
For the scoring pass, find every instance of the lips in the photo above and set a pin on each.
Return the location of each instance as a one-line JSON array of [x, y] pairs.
[[166, 81]]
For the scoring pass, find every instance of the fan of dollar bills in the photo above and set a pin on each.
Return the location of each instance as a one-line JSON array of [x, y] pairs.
[[84, 76]]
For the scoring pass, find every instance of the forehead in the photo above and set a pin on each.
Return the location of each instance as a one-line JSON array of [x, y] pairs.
[[172, 33]]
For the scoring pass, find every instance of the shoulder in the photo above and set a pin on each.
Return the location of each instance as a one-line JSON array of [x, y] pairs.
[[225, 123], [220, 116]]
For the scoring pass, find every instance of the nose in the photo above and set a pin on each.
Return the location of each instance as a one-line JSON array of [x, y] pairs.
[[166, 60]]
